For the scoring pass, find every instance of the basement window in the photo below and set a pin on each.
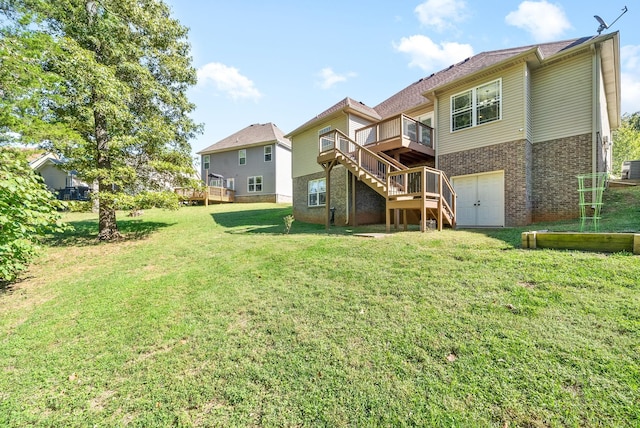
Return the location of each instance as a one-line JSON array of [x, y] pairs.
[[317, 192]]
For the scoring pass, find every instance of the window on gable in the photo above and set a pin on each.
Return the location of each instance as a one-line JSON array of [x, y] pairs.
[[317, 193], [206, 162], [268, 153], [254, 184], [242, 157], [476, 106]]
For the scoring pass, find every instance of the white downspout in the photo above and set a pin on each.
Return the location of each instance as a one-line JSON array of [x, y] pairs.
[[436, 128]]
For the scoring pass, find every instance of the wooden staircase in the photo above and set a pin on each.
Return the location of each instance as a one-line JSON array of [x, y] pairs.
[[422, 188]]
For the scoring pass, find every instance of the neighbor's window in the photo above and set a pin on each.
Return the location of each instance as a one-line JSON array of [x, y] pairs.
[[317, 192], [268, 153], [231, 183], [254, 184], [205, 162], [242, 157], [476, 106]]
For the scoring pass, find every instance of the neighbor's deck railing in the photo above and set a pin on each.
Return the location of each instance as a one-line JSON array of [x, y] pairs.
[[210, 193], [396, 127]]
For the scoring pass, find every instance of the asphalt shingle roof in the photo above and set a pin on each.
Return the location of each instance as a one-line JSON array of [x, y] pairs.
[[250, 136], [412, 95]]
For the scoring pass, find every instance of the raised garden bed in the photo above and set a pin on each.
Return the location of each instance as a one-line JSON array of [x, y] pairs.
[[600, 242]]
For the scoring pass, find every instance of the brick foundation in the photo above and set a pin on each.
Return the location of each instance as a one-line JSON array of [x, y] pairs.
[[369, 205], [556, 164], [515, 159]]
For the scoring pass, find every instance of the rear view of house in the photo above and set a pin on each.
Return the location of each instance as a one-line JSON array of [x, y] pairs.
[[254, 162], [507, 130]]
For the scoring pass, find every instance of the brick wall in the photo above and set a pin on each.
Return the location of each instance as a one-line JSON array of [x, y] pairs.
[[256, 198], [369, 205], [515, 159], [555, 166]]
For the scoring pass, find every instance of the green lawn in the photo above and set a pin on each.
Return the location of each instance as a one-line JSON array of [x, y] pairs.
[[211, 316]]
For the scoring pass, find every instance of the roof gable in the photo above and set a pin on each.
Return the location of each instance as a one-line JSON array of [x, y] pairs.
[[345, 105], [252, 135]]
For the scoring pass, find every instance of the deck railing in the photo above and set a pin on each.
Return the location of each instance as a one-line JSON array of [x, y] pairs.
[[365, 158], [424, 182], [395, 127], [211, 193]]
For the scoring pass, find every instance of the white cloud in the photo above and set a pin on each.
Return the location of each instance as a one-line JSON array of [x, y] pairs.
[[430, 56], [630, 75], [228, 80], [543, 20], [330, 77], [441, 14]]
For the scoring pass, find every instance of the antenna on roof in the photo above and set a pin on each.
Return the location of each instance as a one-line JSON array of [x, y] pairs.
[[603, 25]]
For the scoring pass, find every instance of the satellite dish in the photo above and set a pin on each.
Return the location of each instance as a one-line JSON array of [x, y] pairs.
[[603, 25]]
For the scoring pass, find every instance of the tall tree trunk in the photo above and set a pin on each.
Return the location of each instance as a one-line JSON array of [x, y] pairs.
[[107, 226]]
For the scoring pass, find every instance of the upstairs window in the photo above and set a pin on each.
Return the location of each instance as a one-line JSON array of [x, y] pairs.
[[268, 153], [476, 106], [242, 157], [206, 162]]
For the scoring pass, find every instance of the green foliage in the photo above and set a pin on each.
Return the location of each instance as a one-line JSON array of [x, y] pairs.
[[626, 141], [27, 212], [109, 80], [79, 206], [147, 200]]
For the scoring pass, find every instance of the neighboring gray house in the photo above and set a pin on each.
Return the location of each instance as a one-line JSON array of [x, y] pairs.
[[254, 162], [64, 184]]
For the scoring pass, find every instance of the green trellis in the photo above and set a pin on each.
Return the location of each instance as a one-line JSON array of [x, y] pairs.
[[590, 189]]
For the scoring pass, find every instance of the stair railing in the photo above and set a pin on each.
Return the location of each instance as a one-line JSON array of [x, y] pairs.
[[375, 165]]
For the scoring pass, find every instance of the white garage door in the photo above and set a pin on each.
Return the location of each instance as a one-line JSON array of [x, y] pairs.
[[480, 199]]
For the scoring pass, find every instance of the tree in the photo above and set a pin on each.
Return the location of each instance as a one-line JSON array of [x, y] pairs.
[[626, 141], [118, 99], [27, 212]]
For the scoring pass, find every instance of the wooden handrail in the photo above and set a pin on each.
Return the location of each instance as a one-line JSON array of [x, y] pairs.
[[358, 153], [387, 129]]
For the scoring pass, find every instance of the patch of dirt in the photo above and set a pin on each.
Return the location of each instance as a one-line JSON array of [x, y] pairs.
[[97, 404]]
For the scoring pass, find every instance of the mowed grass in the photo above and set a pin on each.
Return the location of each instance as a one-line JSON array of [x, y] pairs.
[[211, 316]]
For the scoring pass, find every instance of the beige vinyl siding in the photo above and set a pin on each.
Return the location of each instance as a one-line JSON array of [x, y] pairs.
[[509, 128], [562, 98], [355, 123], [305, 146], [527, 109]]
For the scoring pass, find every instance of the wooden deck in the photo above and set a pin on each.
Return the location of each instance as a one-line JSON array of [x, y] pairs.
[[423, 189], [209, 194]]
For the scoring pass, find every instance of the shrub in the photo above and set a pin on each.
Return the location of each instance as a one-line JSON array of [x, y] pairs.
[[288, 222], [79, 206], [27, 212]]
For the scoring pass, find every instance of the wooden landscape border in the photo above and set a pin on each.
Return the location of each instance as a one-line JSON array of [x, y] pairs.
[[600, 242]]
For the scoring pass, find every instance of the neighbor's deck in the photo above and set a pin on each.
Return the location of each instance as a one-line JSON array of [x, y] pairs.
[[208, 194]]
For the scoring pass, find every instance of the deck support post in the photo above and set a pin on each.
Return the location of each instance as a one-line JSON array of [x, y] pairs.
[[327, 169], [423, 207], [353, 200], [440, 202]]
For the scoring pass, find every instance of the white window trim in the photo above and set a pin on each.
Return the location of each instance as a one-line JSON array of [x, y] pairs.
[[318, 193], [270, 147], [474, 106], [242, 152], [206, 162], [255, 184]]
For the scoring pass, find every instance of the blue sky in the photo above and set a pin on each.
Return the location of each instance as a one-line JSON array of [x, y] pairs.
[[285, 61]]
